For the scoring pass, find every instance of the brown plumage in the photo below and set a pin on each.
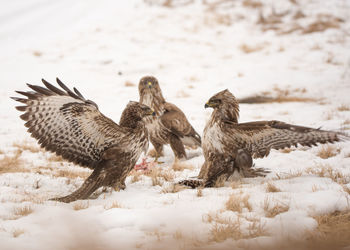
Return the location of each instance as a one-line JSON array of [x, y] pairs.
[[229, 145], [66, 123], [171, 125]]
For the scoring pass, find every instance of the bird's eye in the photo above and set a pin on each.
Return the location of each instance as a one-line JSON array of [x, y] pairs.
[[215, 100]]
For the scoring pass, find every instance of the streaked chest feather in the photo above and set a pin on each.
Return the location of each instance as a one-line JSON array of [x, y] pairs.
[[138, 144], [213, 138]]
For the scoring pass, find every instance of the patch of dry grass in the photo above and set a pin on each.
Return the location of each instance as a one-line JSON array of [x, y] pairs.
[[181, 166], [152, 153], [328, 151], [55, 158], [322, 24], [220, 232], [81, 205], [346, 122], [136, 176], [323, 170], [250, 48], [236, 184], [344, 107], [237, 202], [333, 230], [287, 150], [12, 163], [173, 188], [271, 188], [37, 53], [182, 94], [252, 4], [22, 211], [273, 210], [129, 84], [28, 146], [289, 175], [71, 174], [178, 235], [200, 192], [159, 175], [224, 229], [114, 204], [17, 232], [279, 95]]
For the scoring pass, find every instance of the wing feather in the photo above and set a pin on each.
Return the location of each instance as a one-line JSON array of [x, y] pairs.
[[260, 137], [176, 122], [67, 124]]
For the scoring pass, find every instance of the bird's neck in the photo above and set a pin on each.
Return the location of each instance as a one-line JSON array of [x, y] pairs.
[[154, 101], [130, 120], [226, 114]]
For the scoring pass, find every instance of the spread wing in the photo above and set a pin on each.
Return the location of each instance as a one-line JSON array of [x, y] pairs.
[[259, 137], [66, 123], [176, 121]]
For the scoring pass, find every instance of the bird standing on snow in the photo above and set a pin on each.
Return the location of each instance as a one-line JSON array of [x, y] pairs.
[[229, 145], [170, 126], [66, 123]]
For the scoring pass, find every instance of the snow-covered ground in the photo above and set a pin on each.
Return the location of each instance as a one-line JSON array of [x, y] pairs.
[[195, 50]]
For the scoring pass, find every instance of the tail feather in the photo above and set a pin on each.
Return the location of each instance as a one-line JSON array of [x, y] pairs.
[[192, 183]]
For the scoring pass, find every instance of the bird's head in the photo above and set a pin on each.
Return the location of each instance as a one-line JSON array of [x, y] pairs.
[[135, 112], [149, 84], [226, 104]]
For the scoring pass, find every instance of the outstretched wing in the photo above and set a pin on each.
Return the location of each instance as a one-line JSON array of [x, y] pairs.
[[259, 137], [175, 121], [66, 123]]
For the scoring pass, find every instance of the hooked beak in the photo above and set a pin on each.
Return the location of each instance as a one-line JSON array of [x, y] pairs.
[[152, 112], [206, 105], [149, 85]]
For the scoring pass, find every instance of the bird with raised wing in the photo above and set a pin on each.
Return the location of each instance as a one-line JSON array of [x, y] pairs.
[[65, 123]]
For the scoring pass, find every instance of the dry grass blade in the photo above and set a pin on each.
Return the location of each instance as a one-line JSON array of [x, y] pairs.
[[81, 205], [22, 211], [333, 231], [271, 188], [237, 202], [114, 204], [180, 166], [328, 151], [12, 164], [344, 107], [173, 188], [17, 232], [28, 146], [273, 210], [221, 232]]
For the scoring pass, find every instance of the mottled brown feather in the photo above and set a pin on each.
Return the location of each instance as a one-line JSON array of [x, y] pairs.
[[171, 126], [71, 126]]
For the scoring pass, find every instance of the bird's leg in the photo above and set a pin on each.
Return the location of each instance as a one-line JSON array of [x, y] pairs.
[[119, 185], [177, 147], [91, 184], [244, 163], [204, 170], [158, 148]]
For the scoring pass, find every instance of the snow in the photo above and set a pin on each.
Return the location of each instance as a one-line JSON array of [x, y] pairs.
[[97, 46]]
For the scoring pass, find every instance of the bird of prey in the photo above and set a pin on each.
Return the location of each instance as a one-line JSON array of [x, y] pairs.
[[170, 126], [66, 123], [229, 145]]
